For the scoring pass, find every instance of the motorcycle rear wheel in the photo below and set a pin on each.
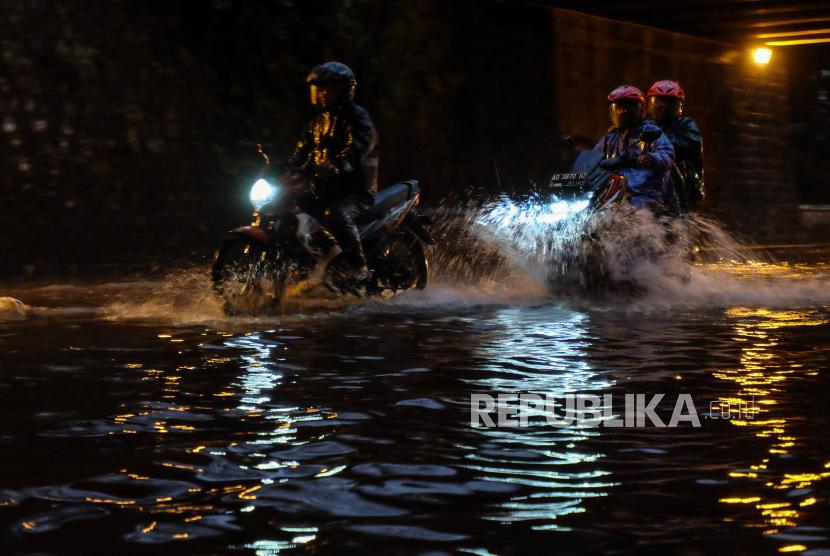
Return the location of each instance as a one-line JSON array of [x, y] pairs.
[[245, 277], [399, 265]]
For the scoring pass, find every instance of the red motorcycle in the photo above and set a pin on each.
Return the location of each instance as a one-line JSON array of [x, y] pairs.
[[285, 250]]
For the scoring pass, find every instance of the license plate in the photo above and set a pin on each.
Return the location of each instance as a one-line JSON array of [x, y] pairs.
[[562, 180]]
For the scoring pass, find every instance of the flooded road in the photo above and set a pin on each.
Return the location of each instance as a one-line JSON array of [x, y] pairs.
[[136, 419]]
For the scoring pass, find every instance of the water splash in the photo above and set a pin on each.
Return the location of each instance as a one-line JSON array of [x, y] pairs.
[[503, 252], [629, 259], [182, 295]]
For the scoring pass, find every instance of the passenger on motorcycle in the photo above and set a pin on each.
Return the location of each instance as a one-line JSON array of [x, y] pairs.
[[665, 106], [646, 165], [338, 152]]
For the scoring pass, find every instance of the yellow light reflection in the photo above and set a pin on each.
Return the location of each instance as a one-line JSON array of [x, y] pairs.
[[797, 42], [105, 501], [150, 528], [763, 379], [242, 494]]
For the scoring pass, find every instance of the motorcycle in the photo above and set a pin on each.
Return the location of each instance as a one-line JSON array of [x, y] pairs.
[[605, 252], [285, 250], [586, 185], [587, 180]]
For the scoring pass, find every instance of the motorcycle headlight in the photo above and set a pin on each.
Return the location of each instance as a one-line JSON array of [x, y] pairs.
[[560, 210], [577, 206], [262, 193]]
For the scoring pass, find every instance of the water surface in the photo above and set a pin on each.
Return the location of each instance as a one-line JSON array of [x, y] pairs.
[[135, 419]]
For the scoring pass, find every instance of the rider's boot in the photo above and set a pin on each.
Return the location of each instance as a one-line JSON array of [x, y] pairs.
[[359, 272]]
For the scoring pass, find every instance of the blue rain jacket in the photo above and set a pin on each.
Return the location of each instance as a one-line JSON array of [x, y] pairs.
[[647, 185]]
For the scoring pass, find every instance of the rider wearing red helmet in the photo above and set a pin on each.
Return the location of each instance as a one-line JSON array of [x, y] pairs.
[[648, 164], [665, 105]]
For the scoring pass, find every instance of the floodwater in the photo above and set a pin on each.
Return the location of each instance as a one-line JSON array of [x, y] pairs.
[[136, 419]]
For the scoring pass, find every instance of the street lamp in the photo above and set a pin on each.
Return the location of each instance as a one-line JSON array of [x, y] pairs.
[[762, 56]]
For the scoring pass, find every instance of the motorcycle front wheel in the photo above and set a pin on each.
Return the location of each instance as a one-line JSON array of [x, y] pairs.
[[245, 277], [399, 265]]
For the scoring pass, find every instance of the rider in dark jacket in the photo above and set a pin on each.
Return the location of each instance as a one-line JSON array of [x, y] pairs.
[[336, 152], [665, 106], [648, 163]]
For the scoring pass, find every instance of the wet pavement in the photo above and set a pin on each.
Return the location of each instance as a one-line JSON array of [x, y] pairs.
[[135, 419]]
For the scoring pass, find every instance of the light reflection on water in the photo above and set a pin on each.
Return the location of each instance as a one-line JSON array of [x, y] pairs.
[[351, 431], [765, 377], [544, 357]]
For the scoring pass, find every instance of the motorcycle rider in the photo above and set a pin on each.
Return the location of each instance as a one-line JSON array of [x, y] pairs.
[[334, 153], [647, 165], [665, 106]]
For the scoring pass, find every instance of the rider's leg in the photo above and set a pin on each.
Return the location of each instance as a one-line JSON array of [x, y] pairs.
[[312, 206], [656, 206], [340, 222]]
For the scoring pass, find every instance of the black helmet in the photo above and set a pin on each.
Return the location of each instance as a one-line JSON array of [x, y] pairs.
[[335, 72]]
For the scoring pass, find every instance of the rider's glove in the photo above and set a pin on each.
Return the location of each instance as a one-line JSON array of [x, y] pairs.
[[645, 160], [327, 169]]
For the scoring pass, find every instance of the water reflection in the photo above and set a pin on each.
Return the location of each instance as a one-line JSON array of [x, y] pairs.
[[352, 432], [544, 356], [768, 373]]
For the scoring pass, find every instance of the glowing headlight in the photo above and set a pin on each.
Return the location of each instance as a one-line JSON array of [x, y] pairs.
[[262, 193], [577, 206], [560, 210]]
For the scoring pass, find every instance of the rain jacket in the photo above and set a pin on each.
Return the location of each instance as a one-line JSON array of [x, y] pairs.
[[345, 137], [687, 178], [646, 184]]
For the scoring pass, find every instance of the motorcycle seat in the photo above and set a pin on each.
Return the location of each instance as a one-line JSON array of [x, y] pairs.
[[389, 198]]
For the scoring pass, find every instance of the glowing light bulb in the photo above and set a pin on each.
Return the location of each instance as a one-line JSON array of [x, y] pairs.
[[762, 56], [261, 190]]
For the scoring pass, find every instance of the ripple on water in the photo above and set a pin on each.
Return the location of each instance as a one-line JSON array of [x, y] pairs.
[[423, 402], [399, 469], [55, 519], [407, 532], [117, 489], [206, 526], [417, 488], [221, 470], [329, 495], [315, 450]]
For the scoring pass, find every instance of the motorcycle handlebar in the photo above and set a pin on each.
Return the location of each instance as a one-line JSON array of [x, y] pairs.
[[293, 179], [617, 162]]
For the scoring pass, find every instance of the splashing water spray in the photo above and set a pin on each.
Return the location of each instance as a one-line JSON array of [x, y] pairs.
[[667, 262]]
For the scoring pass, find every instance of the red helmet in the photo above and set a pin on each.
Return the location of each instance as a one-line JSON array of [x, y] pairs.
[[627, 92], [667, 88]]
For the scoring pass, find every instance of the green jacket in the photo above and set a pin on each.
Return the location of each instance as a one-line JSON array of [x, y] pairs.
[[687, 175]]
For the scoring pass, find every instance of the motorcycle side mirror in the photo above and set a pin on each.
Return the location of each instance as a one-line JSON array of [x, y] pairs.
[[610, 164], [568, 141], [651, 135]]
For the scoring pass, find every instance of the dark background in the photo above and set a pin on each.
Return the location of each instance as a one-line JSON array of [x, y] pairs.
[[129, 129]]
